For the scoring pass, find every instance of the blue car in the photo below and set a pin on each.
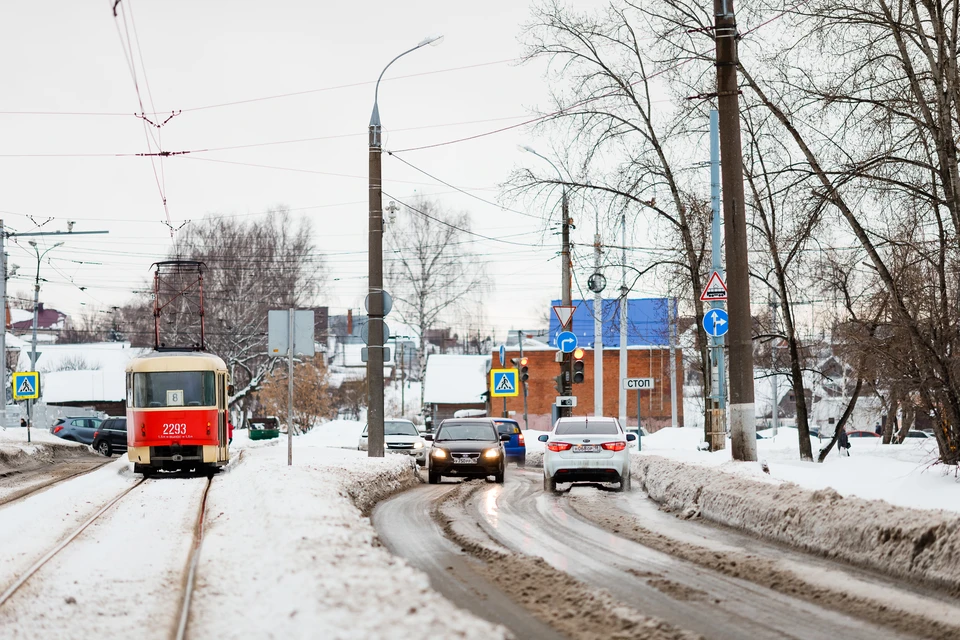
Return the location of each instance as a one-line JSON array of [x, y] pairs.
[[515, 449]]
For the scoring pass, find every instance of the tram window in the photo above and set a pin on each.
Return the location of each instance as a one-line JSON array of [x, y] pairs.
[[175, 389]]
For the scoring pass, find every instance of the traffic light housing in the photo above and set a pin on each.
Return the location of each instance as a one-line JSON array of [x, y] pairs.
[[524, 370], [558, 384], [578, 366]]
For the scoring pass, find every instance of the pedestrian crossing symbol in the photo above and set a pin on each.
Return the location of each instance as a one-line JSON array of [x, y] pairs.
[[503, 383], [26, 385]]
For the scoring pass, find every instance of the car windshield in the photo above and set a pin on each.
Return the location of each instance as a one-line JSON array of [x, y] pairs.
[[595, 427], [399, 428], [507, 428], [466, 431]]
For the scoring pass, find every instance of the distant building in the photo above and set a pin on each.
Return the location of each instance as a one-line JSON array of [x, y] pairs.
[[50, 322], [454, 382]]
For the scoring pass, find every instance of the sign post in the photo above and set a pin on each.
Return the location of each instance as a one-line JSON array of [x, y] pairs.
[[26, 386], [290, 331], [639, 384]]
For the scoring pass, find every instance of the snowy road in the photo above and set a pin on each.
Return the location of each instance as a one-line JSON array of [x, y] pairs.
[[698, 598]]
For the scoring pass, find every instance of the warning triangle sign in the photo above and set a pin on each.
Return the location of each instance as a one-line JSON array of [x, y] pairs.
[[715, 289], [563, 313], [504, 384], [26, 388]]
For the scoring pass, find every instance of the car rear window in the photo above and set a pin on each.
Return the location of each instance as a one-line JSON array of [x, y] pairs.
[[599, 427], [466, 431], [507, 428]]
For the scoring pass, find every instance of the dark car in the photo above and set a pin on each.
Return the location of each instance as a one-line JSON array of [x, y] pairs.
[[111, 436], [76, 429], [466, 448], [515, 448]]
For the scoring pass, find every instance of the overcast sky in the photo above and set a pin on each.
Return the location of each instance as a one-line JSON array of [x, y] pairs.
[[68, 57]]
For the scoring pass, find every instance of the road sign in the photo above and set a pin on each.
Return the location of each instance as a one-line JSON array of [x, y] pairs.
[[715, 290], [365, 333], [637, 383], [278, 330], [566, 401], [566, 341], [563, 313], [503, 355], [26, 385], [503, 383], [387, 302], [716, 322]]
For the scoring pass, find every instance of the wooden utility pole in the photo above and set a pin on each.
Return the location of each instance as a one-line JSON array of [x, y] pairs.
[[743, 441]]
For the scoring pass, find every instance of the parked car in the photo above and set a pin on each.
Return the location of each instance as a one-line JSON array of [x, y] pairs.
[[466, 448], [861, 434], [76, 428], [919, 434], [515, 448], [111, 436], [399, 436], [585, 449], [642, 431]]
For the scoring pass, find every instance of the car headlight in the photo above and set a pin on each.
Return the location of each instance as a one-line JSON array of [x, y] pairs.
[[418, 445], [491, 453], [439, 453]]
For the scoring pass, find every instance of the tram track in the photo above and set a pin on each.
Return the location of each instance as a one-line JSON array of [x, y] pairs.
[[192, 563]]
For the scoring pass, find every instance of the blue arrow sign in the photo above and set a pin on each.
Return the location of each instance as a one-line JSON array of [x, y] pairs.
[[716, 322], [567, 341]]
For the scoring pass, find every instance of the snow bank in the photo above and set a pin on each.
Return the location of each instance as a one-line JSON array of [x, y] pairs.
[[908, 543], [289, 554], [340, 434], [16, 452]]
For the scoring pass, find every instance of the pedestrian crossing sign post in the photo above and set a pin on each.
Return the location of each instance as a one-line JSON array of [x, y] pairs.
[[26, 385], [503, 383]]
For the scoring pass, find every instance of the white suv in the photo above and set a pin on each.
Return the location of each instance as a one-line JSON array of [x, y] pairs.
[[585, 449]]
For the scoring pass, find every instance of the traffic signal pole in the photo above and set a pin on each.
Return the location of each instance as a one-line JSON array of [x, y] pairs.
[[566, 365], [520, 343]]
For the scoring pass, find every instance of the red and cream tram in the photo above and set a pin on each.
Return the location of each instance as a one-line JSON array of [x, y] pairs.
[[177, 412]]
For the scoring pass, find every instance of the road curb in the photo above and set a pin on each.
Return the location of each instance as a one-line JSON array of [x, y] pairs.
[[913, 544]]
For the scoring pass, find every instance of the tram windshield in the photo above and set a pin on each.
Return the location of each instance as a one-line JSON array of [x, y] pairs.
[[174, 389]]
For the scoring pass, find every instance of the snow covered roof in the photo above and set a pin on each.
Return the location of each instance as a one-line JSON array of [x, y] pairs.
[[102, 356], [13, 342], [83, 386], [454, 379]]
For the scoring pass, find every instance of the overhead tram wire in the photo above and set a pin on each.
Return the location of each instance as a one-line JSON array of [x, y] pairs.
[[453, 226]]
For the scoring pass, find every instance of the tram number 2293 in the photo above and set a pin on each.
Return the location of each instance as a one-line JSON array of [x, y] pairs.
[[175, 429]]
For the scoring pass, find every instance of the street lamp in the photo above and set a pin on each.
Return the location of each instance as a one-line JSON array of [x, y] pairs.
[[36, 307], [375, 273], [565, 282]]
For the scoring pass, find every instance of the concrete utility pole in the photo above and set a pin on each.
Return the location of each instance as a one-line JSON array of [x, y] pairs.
[[715, 426], [623, 323], [597, 327], [375, 344], [742, 422], [672, 328], [3, 331]]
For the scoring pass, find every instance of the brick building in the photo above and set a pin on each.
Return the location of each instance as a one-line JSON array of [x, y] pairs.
[[642, 362]]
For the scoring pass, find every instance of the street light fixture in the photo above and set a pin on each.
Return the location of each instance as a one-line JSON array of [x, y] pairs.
[[36, 303], [565, 275], [375, 272]]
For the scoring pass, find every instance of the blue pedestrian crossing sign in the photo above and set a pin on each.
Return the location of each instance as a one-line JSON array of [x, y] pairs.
[[503, 383], [716, 322], [26, 385]]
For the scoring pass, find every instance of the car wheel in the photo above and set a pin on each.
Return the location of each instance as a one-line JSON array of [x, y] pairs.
[[625, 483], [433, 478], [549, 484], [104, 448], [498, 478], [521, 462]]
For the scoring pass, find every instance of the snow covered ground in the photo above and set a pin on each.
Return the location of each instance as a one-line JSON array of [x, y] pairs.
[[289, 555], [903, 474]]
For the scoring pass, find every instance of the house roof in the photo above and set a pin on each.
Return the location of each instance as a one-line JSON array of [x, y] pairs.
[[83, 386], [102, 356], [46, 318], [455, 379]]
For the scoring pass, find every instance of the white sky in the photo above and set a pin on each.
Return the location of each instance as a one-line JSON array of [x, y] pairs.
[[67, 56]]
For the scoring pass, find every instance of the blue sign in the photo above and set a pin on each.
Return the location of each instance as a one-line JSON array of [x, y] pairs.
[[503, 383], [567, 341], [26, 385], [716, 322], [503, 355]]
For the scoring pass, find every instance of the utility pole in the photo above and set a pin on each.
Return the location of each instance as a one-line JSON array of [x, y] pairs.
[[375, 297], [672, 328], [597, 327], [290, 332], [742, 422], [623, 323], [520, 344], [3, 332], [567, 363], [715, 424]]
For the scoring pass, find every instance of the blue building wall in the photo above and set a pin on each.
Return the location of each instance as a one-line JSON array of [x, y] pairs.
[[647, 322]]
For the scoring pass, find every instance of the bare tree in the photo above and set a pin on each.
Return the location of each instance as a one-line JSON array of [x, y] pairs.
[[311, 394], [430, 271]]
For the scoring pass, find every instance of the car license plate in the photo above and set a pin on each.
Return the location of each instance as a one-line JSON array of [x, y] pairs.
[[586, 448], [463, 461]]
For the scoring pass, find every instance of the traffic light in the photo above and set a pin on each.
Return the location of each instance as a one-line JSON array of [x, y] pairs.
[[524, 370], [558, 384], [577, 366]]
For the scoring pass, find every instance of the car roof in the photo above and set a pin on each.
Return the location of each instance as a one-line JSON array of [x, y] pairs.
[[477, 420], [505, 420]]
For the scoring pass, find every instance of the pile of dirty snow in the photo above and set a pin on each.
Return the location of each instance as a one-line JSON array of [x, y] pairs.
[[289, 553], [43, 448]]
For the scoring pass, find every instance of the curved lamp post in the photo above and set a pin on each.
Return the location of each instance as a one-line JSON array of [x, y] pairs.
[[375, 274], [36, 307]]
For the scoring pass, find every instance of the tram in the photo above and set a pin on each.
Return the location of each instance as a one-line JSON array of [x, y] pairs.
[[177, 412], [177, 396]]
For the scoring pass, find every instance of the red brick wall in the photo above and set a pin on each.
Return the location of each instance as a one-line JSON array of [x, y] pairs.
[[641, 363]]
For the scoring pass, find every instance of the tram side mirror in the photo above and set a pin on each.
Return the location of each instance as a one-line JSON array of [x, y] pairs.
[[543, 438], [230, 389]]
